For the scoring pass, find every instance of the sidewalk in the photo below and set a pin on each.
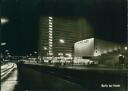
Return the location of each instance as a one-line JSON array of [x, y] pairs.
[[10, 83]]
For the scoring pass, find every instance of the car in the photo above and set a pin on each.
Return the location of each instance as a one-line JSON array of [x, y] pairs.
[[85, 62]]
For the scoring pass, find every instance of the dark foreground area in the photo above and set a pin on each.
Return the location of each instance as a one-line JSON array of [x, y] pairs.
[[45, 78]]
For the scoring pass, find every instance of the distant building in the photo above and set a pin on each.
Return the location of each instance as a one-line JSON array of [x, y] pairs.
[[94, 47], [57, 35]]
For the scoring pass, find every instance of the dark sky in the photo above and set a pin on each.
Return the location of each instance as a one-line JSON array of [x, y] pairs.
[[107, 17]]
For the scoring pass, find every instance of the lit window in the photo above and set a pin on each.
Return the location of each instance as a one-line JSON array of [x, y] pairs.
[[50, 37], [50, 34], [50, 18], [50, 48], [51, 53], [50, 21], [50, 40], [50, 45], [50, 26], [50, 29]]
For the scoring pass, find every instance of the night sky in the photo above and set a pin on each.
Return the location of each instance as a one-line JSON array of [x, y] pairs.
[[107, 18]]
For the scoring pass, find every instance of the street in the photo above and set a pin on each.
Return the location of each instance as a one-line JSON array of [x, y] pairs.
[[64, 45], [42, 78]]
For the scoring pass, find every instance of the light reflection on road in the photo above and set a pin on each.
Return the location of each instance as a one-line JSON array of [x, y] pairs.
[[9, 83]]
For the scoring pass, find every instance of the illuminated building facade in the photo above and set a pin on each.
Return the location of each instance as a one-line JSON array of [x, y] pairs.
[[57, 35], [50, 52], [94, 47]]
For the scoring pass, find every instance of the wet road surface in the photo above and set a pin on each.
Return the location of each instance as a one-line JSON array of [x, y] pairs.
[[29, 79]]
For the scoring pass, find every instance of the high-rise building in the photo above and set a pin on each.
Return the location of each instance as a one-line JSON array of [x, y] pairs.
[[57, 35]]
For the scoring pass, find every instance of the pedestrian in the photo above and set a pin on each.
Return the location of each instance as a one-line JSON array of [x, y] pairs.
[[121, 59]]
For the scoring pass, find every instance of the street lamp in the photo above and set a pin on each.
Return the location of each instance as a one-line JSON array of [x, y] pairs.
[[3, 44], [125, 48], [4, 20], [45, 48], [35, 52], [61, 41]]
